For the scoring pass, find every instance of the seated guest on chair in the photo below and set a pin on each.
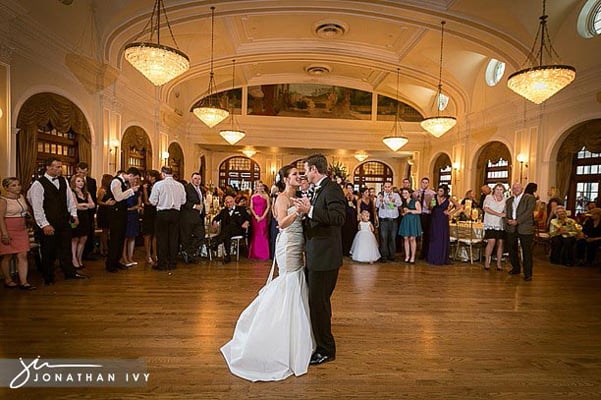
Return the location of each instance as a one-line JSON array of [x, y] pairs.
[[234, 221], [591, 238], [563, 232]]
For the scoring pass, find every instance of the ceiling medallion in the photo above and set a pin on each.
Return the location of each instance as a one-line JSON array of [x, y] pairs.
[[330, 29]]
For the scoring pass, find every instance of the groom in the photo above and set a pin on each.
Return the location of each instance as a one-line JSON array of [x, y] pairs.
[[322, 227]]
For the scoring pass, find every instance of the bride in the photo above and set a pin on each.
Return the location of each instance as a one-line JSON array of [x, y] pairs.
[[273, 338]]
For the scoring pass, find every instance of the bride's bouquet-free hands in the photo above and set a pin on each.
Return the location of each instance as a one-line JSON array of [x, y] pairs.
[[302, 204]]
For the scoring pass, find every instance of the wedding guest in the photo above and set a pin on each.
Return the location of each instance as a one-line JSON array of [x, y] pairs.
[[83, 169], [519, 225], [439, 249], [563, 231], [366, 203], [551, 206], [122, 187], [54, 207], [102, 219], [259, 236], [388, 204], [13, 233], [149, 218], [80, 233], [234, 221], [494, 233], [591, 239], [485, 190], [192, 219], [411, 227], [168, 195], [365, 246], [424, 195], [349, 229], [132, 226]]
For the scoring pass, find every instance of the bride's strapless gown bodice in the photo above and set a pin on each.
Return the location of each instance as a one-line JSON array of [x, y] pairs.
[[273, 338], [289, 246]]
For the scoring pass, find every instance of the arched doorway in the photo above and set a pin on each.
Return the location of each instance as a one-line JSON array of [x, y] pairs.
[[493, 166], [176, 160], [579, 165], [239, 172], [51, 125], [372, 174], [136, 150], [443, 171]]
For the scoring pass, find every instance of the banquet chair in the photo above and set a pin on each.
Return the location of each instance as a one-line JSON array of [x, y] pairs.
[[466, 237]]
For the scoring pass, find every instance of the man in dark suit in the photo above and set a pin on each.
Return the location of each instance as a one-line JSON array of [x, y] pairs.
[[519, 225], [83, 169], [234, 221], [325, 215], [192, 219]]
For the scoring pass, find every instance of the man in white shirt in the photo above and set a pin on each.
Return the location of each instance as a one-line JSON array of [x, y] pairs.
[[168, 196], [55, 212], [387, 204]]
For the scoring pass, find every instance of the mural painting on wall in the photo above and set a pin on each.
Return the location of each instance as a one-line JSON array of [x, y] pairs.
[[228, 99], [309, 100], [387, 110]]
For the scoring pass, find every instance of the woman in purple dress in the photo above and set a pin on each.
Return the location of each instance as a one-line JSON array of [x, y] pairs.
[[259, 209], [438, 251]]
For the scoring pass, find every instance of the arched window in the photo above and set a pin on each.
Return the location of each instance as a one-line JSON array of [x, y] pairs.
[[136, 150], [372, 174], [579, 165], [176, 160], [51, 125], [587, 175], [443, 171], [239, 172], [493, 166]]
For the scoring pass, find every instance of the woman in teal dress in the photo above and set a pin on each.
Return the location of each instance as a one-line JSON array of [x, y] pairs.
[[411, 226]]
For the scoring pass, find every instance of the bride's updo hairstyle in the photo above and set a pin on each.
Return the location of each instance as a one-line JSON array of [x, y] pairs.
[[282, 173]]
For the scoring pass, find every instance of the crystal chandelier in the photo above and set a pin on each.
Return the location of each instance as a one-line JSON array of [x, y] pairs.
[[439, 125], [208, 110], [157, 62], [540, 82], [396, 141], [232, 135], [361, 156], [249, 152]]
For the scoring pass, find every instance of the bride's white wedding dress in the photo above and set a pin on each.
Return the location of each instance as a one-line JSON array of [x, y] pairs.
[[273, 338]]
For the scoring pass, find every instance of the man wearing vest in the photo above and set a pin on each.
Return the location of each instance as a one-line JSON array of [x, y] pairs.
[[117, 216], [54, 210]]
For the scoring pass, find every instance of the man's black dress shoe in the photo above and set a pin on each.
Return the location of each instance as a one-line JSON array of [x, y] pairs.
[[528, 278], [112, 269], [76, 275], [514, 272], [318, 358], [227, 259]]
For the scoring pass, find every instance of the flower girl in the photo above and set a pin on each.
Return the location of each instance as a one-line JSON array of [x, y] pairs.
[[365, 245]]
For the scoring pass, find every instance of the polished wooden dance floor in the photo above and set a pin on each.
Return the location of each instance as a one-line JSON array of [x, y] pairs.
[[403, 332]]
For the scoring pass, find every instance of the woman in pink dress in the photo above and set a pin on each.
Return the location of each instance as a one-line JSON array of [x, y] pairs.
[[13, 231], [259, 210]]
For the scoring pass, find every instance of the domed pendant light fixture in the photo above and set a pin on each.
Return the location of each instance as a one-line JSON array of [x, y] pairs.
[[157, 62], [208, 110], [396, 140], [233, 135], [439, 125], [539, 82]]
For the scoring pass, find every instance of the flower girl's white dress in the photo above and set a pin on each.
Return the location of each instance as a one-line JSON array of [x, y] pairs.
[[365, 245], [273, 338]]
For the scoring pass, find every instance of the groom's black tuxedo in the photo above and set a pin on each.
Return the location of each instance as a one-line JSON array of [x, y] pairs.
[[323, 245], [323, 229]]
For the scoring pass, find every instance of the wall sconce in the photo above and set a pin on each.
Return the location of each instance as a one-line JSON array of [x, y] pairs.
[[114, 146], [456, 167], [523, 160], [273, 172], [1, 112], [165, 157]]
